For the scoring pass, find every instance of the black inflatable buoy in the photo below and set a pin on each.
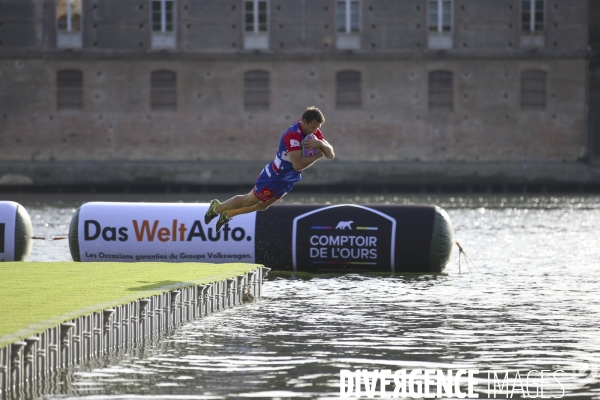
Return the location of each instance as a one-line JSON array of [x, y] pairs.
[[349, 237]]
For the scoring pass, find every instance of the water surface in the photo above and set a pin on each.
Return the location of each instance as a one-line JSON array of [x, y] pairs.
[[531, 301]]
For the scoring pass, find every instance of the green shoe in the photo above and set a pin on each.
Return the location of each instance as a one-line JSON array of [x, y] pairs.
[[211, 213], [223, 219]]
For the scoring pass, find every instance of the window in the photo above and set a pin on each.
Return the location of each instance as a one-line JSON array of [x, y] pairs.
[[255, 16], [69, 90], [532, 15], [163, 24], [439, 21], [347, 16], [68, 24], [163, 91], [533, 90], [256, 26], [441, 91], [348, 89], [68, 15], [256, 90], [347, 24], [163, 15], [440, 16]]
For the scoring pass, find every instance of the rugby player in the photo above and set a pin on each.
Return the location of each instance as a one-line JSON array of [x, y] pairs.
[[279, 176]]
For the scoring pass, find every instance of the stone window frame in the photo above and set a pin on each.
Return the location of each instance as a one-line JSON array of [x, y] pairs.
[[69, 89], [69, 30], [440, 90], [348, 89], [163, 90], [162, 29], [257, 90], [534, 89]]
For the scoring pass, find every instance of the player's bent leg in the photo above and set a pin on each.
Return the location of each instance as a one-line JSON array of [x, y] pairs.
[[239, 201], [255, 204], [263, 195], [259, 205]]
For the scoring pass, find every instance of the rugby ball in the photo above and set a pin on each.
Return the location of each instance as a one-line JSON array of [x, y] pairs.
[[308, 152]]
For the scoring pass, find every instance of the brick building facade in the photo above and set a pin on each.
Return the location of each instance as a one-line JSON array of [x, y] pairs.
[[220, 80]]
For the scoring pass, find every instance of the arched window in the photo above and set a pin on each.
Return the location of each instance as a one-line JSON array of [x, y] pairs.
[[69, 90], [163, 91], [256, 90], [441, 90], [533, 90], [348, 93]]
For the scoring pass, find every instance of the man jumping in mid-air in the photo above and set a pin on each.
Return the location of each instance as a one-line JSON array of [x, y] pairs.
[[279, 176]]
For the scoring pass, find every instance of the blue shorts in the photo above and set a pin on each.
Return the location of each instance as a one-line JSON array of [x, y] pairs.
[[267, 187]]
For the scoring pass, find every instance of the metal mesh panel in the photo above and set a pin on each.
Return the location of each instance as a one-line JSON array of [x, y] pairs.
[[348, 89], [163, 90], [69, 90], [256, 90], [441, 90]]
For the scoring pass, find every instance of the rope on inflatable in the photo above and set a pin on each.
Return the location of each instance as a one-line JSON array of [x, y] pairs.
[[467, 259]]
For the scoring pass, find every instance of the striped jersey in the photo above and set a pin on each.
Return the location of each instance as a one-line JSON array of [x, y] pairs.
[[290, 141]]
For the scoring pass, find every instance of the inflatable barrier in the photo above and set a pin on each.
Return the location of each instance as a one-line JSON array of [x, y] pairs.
[[16, 232], [311, 238]]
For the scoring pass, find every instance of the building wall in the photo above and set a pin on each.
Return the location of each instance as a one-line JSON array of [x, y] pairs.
[[393, 123]]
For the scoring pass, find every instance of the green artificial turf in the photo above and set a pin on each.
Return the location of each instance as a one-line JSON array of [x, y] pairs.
[[35, 296]]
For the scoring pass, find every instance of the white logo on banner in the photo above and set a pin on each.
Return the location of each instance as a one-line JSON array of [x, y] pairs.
[[344, 225], [326, 246], [162, 232]]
